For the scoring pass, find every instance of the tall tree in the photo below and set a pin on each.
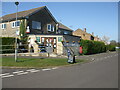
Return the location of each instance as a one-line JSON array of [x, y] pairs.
[[105, 39], [23, 35], [113, 42]]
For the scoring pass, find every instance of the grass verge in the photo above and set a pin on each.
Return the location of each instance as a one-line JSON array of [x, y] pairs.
[[36, 62]]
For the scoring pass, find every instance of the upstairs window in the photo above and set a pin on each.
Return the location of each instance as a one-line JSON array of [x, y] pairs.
[[65, 32], [36, 25], [3, 26], [50, 27], [15, 24]]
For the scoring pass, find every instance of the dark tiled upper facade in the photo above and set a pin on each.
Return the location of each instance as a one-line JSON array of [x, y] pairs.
[[39, 20]]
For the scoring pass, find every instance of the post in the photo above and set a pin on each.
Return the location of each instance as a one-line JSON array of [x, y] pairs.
[[16, 3]]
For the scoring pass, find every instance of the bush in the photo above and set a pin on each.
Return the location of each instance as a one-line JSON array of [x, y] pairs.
[[111, 47], [7, 44], [93, 47]]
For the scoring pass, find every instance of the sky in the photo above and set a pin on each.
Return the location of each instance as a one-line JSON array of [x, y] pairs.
[[98, 17]]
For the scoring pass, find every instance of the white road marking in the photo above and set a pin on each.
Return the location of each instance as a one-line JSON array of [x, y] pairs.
[[22, 73], [7, 76], [46, 69], [18, 72], [4, 74], [55, 68], [35, 71], [30, 69]]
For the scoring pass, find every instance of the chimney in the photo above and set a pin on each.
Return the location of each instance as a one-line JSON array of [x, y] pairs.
[[84, 29], [93, 33]]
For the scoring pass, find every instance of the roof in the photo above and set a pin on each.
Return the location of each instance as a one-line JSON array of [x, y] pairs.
[[64, 27], [82, 31], [24, 14]]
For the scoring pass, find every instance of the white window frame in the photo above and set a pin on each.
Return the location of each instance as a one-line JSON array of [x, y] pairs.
[[15, 24], [51, 29], [48, 29], [3, 26]]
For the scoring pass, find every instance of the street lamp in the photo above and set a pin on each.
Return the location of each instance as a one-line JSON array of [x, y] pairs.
[[16, 45]]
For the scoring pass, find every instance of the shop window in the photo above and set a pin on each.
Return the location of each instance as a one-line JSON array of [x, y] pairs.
[[38, 39]]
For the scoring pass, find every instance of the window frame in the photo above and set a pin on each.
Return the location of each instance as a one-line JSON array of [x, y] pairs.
[[3, 26], [14, 24], [51, 29], [48, 28]]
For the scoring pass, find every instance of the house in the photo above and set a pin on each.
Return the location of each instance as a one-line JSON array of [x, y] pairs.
[[96, 38], [43, 28], [84, 35], [62, 29]]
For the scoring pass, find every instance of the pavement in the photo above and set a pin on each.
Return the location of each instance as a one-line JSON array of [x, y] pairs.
[[101, 72]]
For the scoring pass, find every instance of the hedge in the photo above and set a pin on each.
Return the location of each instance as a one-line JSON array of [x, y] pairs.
[[111, 47], [7, 44], [92, 47]]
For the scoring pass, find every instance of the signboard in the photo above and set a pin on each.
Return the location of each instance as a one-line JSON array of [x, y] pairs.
[[49, 49]]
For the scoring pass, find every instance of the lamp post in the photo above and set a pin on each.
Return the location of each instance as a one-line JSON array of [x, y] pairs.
[[16, 45]]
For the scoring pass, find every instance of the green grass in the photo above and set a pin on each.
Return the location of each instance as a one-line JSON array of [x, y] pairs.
[[36, 62]]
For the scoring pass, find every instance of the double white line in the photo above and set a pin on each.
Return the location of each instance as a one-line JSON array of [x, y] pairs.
[[6, 75]]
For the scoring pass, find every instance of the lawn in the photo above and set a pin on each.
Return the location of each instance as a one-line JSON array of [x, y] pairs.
[[36, 62]]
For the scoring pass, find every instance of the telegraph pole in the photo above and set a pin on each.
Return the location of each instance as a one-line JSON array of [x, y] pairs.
[[16, 45]]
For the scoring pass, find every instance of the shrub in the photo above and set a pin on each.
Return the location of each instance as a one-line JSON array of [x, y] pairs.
[[111, 47], [7, 44], [93, 47]]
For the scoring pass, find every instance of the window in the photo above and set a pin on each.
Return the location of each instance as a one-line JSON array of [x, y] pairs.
[[38, 39], [36, 25], [50, 27], [17, 23], [14, 24], [65, 32], [83, 34], [3, 26]]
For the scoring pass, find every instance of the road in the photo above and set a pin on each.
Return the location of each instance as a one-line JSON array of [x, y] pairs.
[[100, 73]]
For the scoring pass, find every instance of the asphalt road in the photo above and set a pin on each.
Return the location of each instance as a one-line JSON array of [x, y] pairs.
[[100, 73]]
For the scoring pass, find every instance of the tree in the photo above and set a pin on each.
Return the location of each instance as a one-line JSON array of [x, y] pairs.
[[113, 42], [23, 35], [105, 39]]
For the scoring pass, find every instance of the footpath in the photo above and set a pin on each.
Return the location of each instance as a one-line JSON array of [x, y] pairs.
[[94, 57], [85, 57]]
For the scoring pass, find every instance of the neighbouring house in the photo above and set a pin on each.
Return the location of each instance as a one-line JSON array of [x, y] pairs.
[[42, 26], [64, 30], [83, 34], [96, 38]]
